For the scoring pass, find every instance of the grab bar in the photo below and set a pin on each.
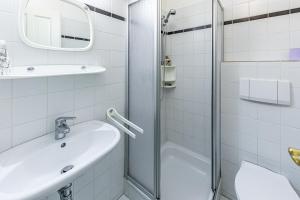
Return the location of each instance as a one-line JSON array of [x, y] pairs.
[[112, 113]]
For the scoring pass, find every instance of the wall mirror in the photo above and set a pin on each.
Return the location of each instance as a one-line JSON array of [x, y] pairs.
[[56, 24]]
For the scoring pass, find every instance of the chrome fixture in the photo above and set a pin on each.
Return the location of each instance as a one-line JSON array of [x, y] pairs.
[[65, 193], [165, 19], [4, 59], [295, 155], [66, 169], [61, 127], [30, 69]]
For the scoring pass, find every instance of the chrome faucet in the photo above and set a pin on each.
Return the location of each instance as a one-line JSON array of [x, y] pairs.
[[61, 127], [4, 59]]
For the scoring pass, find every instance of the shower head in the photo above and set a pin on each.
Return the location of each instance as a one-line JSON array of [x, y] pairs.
[[171, 12]]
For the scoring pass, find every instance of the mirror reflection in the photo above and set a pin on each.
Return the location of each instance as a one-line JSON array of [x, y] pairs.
[[56, 24]]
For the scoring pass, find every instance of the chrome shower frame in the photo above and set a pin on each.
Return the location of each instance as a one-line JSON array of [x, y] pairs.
[[216, 171], [157, 86], [216, 100]]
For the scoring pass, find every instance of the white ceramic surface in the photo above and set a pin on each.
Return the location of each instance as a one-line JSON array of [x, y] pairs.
[[33, 170], [185, 174], [49, 70], [255, 182]]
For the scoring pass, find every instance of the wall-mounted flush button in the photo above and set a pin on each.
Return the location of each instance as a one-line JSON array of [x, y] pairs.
[[263, 90], [244, 88], [266, 91], [284, 93]]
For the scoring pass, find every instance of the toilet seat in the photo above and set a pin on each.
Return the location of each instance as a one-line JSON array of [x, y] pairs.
[[256, 183]]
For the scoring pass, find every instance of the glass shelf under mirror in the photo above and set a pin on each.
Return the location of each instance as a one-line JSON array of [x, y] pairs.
[[49, 70]]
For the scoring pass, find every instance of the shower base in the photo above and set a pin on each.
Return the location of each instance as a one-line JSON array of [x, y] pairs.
[[184, 174]]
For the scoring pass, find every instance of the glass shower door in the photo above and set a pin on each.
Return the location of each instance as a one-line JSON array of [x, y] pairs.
[[218, 32], [185, 152], [142, 96]]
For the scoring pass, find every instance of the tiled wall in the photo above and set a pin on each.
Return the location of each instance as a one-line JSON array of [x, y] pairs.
[[28, 107], [186, 108], [266, 39], [256, 132]]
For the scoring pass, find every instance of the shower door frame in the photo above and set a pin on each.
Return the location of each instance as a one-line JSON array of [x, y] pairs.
[[157, 88], [216, 100], [215, 173]]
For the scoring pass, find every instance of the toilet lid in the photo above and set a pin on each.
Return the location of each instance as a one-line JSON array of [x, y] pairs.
[[256, 183]]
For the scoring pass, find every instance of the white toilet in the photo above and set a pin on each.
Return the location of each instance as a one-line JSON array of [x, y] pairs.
[[256, 183]]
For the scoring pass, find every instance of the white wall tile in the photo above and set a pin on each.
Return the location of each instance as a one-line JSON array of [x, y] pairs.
[[278, 5], [241, 10], [9, 30], [84, 114], [85, 81], [60, 102], [29, 87], [23, 55], [5, 113], [5, 139], [269, 150], [8, 6], [26, 109], [294, 3], [86, 193], [269, 132], [117, 58], [83, 180], [290, 117], [263, 138], [258, 7], [85, 97], [119, 7], [5, 88], [28, 131], [267, 39], [58, 84]]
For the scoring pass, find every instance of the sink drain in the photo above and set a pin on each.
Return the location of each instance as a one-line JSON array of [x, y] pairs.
[[66, 169]]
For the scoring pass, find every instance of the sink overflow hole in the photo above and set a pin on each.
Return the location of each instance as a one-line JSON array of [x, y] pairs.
[[63, 145], [30, 69], [66, 169]]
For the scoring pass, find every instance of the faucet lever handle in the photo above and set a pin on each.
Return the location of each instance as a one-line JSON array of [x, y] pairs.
[[62, 120], [67, 118]]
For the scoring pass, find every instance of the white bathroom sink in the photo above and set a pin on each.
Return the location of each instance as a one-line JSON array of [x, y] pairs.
[[33, 169]]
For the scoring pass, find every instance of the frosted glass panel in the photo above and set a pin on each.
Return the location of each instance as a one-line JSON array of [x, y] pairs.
[[142, 91]]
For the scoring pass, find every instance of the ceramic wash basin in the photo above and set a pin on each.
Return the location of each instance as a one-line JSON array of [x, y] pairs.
[[34, 169]]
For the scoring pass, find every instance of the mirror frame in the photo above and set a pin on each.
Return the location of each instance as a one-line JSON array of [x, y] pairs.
[[25, 39]]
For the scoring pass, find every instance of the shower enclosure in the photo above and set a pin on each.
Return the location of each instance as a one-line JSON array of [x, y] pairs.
[[175, 48]]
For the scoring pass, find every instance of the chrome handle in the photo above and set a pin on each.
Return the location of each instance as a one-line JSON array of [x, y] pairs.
[[62, 120], [295, 155]]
